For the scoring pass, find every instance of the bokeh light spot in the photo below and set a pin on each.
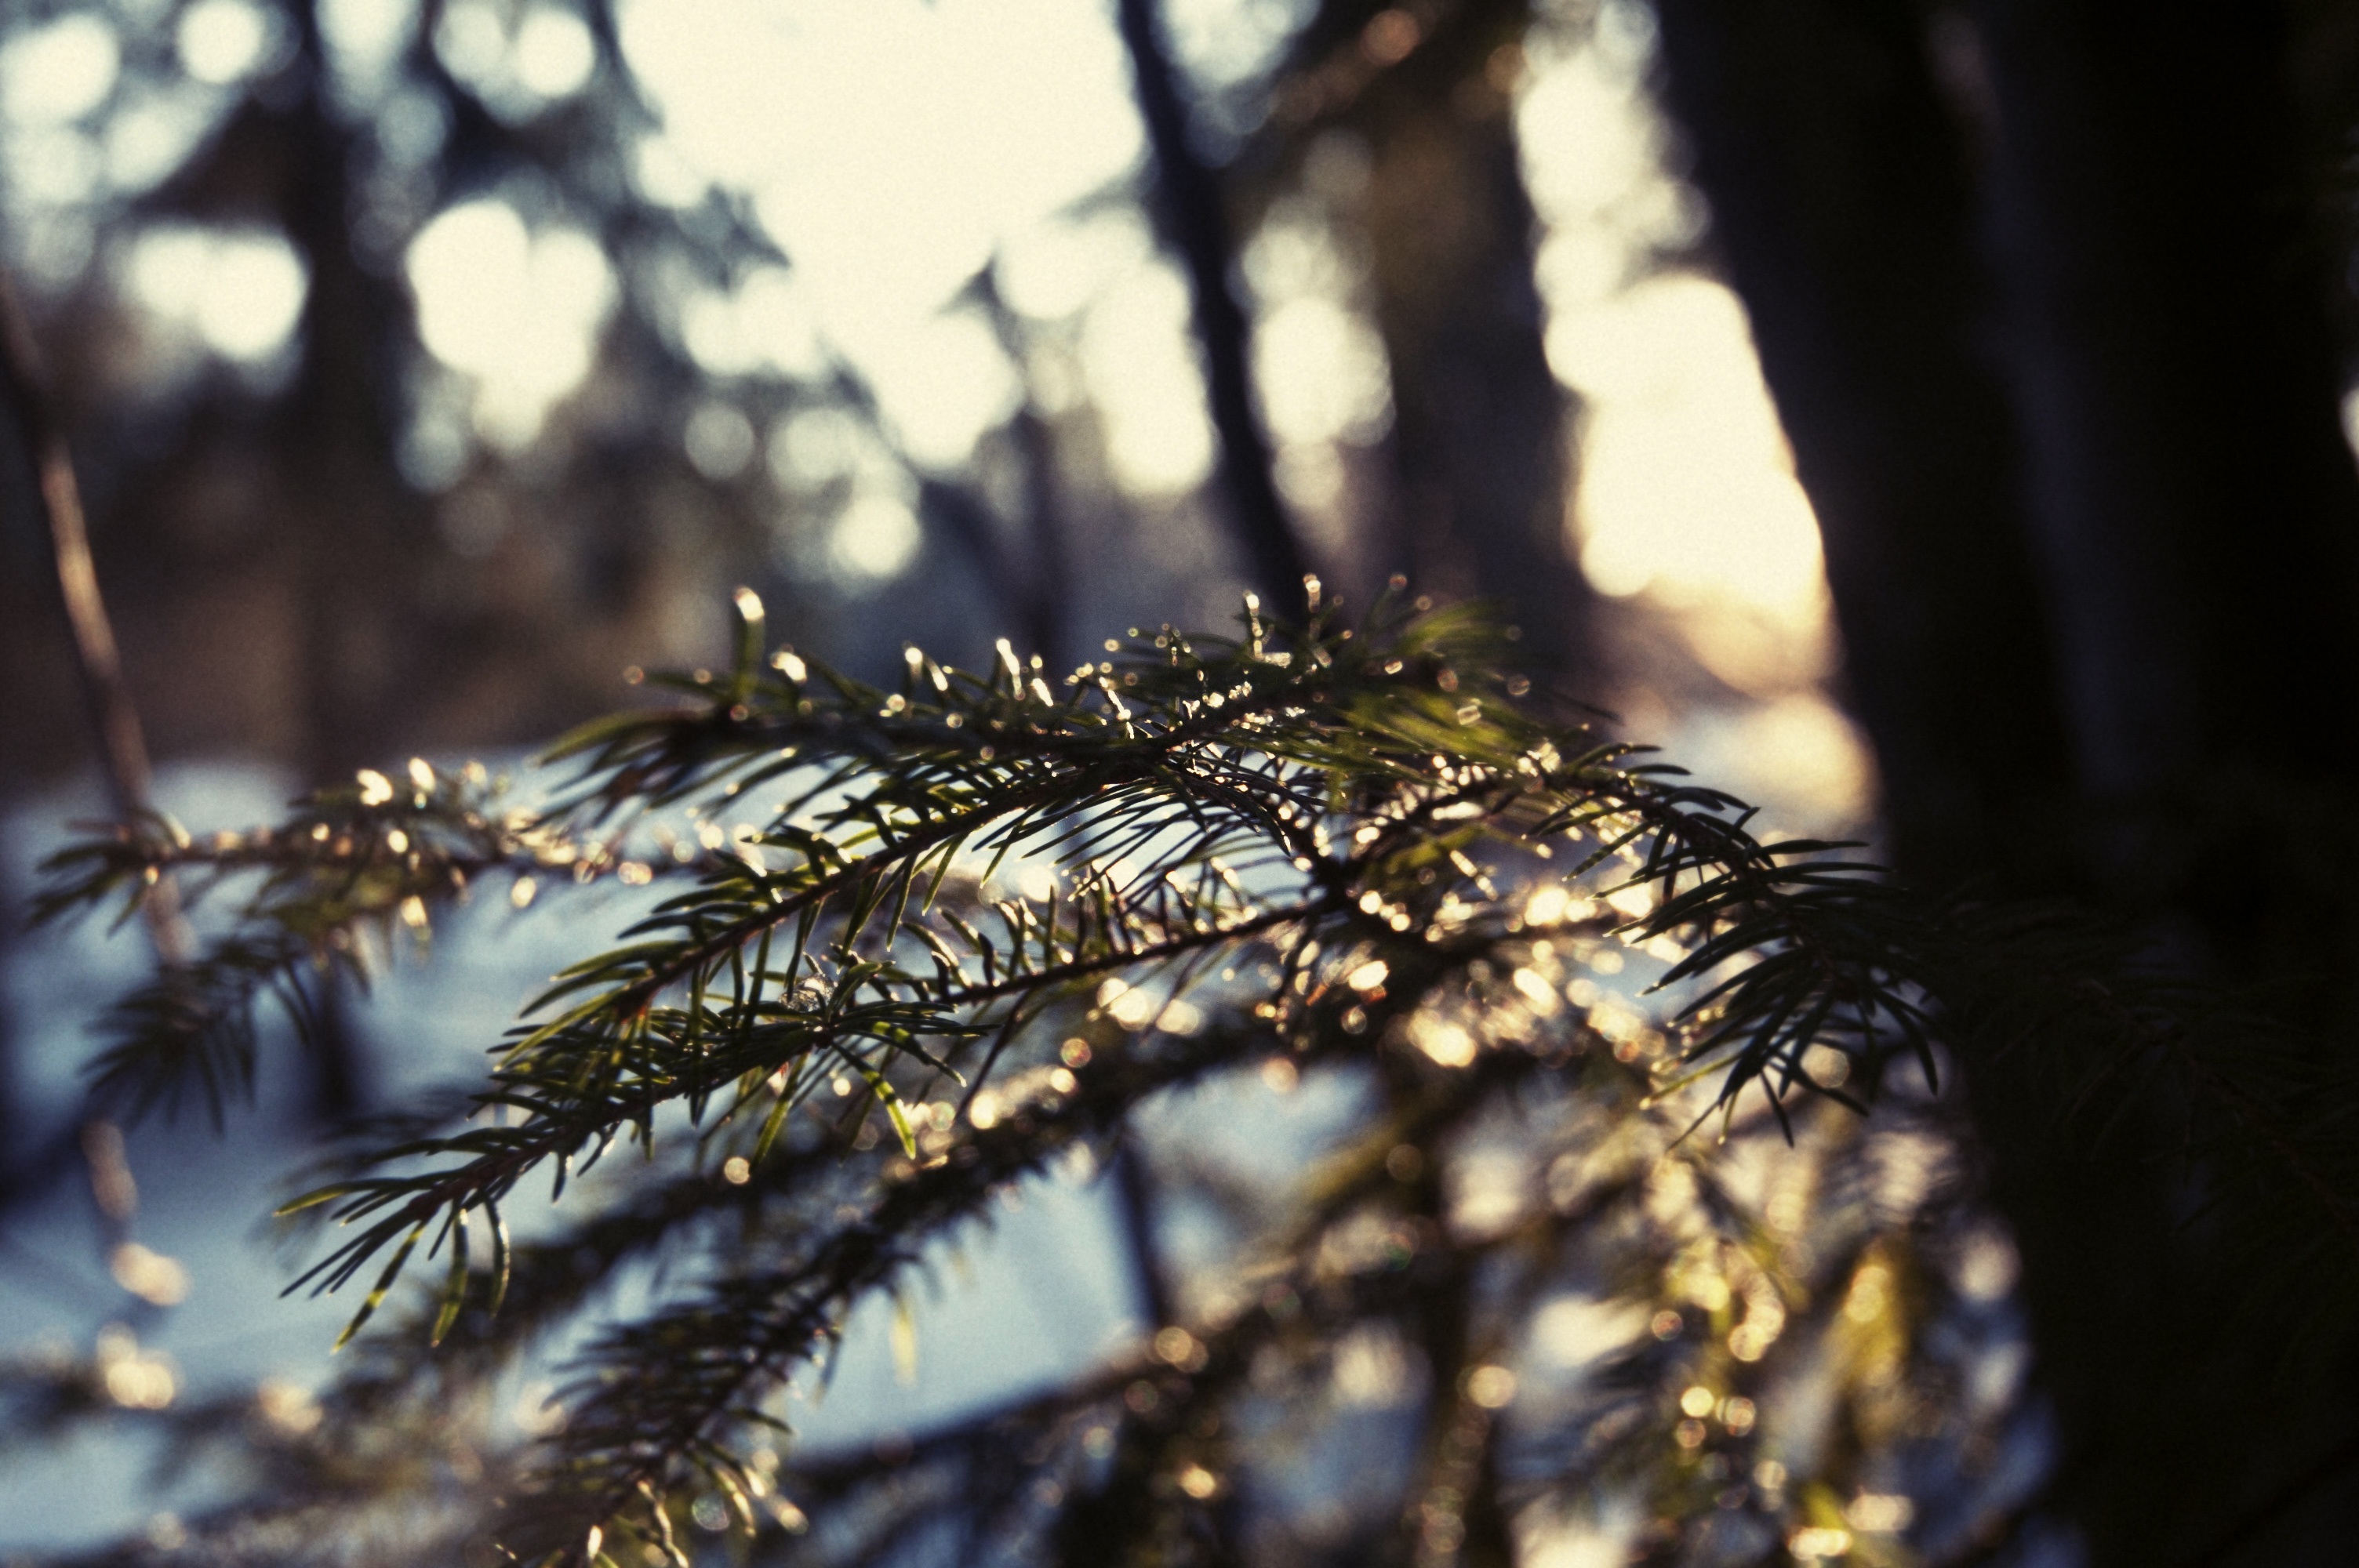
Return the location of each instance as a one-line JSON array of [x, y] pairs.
[[1137, 357], [518, 312], [554, 52], [223, 40], [240, 292], [54, 74], [1322, 372], [875, 538], [719, 439]]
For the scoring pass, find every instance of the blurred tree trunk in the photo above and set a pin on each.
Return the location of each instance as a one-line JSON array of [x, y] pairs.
[[350, 537], [1480, 435], [2174, 364], [1844, 215], [2196, 506], [1195, 223], [2100, 580], [1480, 446], [370, 652], [335, 547]]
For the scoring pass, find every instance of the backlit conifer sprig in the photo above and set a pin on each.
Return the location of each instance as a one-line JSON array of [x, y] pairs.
[[901, 948], [352, 871]]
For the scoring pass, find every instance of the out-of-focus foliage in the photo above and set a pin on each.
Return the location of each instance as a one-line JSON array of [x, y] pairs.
[[286, 450], [419, 380], [1598, 1249]]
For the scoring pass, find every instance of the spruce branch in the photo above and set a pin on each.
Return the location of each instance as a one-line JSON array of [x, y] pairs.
[[888, 953]]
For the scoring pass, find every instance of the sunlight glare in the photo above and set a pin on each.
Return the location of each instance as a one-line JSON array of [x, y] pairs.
[[365, 37], [239, 291], [1572, 1331], [1372, 1368], [875, 538], [1986, 1265], [892, 147], [1322, 372], [554, 52], [1226, 42], [1052, 271], [516, 65], [1580, 1546], [471, 41], [56, 167], [1594, 149], [662, 175], [1799, 758], [1140, 359], [941, 381], [54, 74], [1686, 486], [1686, 479], [764, 324], [152, 136], [1318, 362], [223, 40], [520, 312]]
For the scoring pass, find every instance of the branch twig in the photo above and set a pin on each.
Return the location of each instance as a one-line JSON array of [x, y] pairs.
[[122, 746]]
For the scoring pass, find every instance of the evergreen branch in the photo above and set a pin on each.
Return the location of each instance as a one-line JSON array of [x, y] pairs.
[[1361, 821]]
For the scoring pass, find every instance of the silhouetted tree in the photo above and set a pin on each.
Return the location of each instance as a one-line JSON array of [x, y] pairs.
[[2043, 293]]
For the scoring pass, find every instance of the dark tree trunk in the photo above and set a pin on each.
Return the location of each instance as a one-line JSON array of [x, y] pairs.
[[1842, 209], [2147, 480], [2176, 379], [2196, 508], [372, 653], [1196, 225]]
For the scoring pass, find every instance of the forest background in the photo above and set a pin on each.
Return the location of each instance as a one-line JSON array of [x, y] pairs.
[[1928, 419]]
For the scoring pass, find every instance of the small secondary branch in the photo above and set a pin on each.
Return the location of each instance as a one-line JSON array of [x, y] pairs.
[[121, 745]]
